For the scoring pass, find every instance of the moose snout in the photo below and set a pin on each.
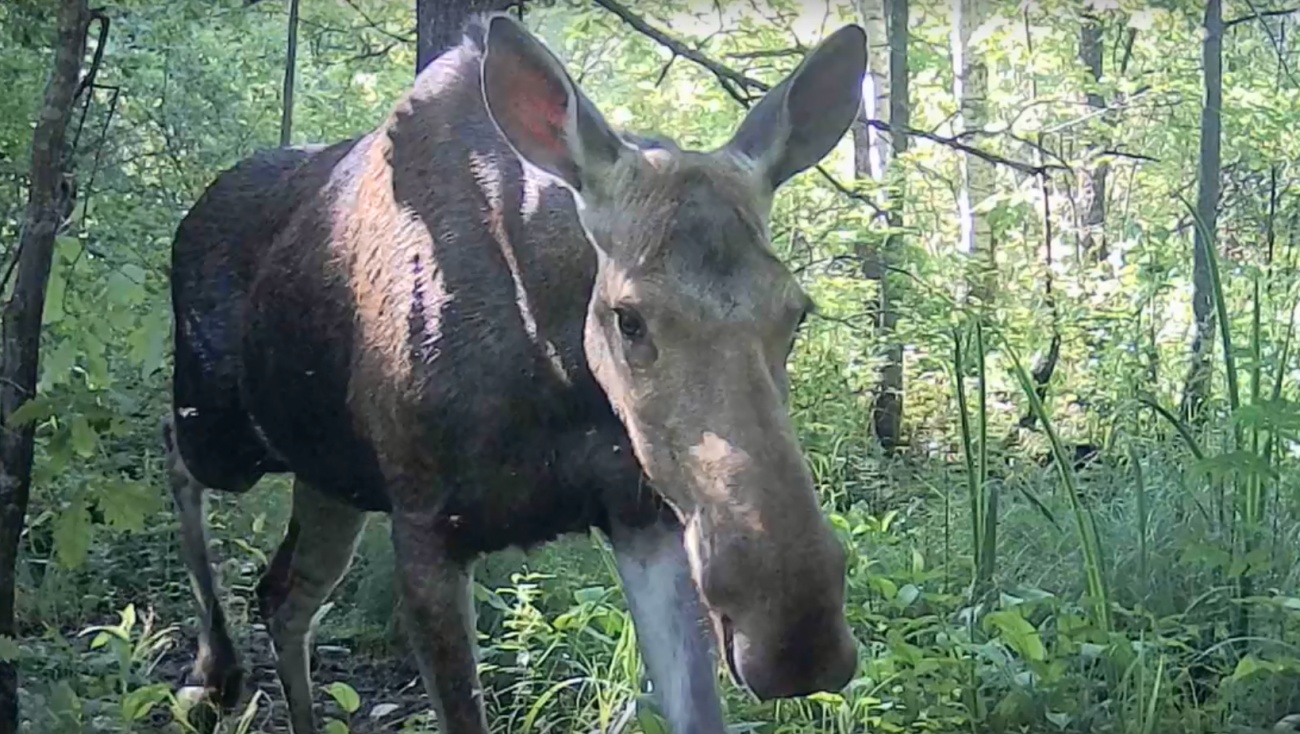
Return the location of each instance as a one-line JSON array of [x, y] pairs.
[[816, 660], [784, 632]]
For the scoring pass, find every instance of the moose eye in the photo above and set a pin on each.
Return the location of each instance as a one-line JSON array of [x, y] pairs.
[[630, 324]]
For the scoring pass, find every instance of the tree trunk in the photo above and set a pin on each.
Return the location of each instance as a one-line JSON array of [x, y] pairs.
[[887, 414], [1092, 176], [872, 152], [21, 321], [438, 24], [1197, 385], [971, 89], [290, 66]]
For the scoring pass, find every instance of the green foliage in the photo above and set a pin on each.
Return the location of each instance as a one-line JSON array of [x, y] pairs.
[[1156, 591]]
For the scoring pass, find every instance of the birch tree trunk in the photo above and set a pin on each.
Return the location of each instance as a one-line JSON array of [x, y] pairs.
[[971, 90], [1197, 385], [21, 321]]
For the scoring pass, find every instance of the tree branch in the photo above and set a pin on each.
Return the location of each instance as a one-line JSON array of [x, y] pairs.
[[734, 82], [1256, 15], [20, 322], [1277, 45], [779, 53], [376, 27], [724, 74]]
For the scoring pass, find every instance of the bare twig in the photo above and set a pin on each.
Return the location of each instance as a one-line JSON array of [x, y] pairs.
[[1028, 169], [776, 53], [723, 73], [372, 24], [1256, 15], [1133, 156], [1281, 52], [735, 82]]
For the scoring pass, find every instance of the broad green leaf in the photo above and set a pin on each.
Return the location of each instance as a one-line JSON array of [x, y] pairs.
[[139, 703], [72, 534], [34, 409], [57, 362], [345, 695], [55, 291], [126, 505], [334, 726], [84, 437], [67, 248], [122, 290], [1248, 666], [1018, 633], [9, 650], [148, 342]]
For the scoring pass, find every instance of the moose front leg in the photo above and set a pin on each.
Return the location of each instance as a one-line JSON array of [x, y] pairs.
[[671, 624], [439, 608]]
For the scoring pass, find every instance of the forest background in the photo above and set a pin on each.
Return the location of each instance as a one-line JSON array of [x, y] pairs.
[[1049, 400]]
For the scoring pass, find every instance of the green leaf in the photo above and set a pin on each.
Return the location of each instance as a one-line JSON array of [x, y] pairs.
[[126, 505], [148, 342], [885, 586], [9, 650], [57, 362], [123, 291], [334, 726], [64, 703], [72, 533], [38, 408], [139, 703], [54, 294], [67, 247], [83, 437], [1018, 633], [345, 695], [1248, 666]]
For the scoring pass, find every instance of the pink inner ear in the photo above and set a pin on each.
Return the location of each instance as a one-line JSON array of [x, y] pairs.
[[537, 104]]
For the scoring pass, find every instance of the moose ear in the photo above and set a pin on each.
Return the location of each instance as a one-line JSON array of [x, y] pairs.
[[540, 111], [801, 119]]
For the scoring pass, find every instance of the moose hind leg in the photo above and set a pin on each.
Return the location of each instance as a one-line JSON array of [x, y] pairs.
[[315, 555], [216, 668]]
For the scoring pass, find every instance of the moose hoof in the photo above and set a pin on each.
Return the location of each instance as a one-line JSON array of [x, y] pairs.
[[204, 698], [198, 708]]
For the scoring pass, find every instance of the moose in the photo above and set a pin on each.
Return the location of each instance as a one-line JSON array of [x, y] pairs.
[[498, 320]]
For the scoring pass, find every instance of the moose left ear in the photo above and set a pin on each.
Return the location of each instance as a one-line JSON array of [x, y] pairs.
[[539, 110], [801, 119]]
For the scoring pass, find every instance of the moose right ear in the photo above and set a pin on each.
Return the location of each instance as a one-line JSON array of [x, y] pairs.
[[540, 112], [801, 119]]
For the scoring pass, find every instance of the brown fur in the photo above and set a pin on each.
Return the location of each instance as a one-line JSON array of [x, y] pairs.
[[418, 322]]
